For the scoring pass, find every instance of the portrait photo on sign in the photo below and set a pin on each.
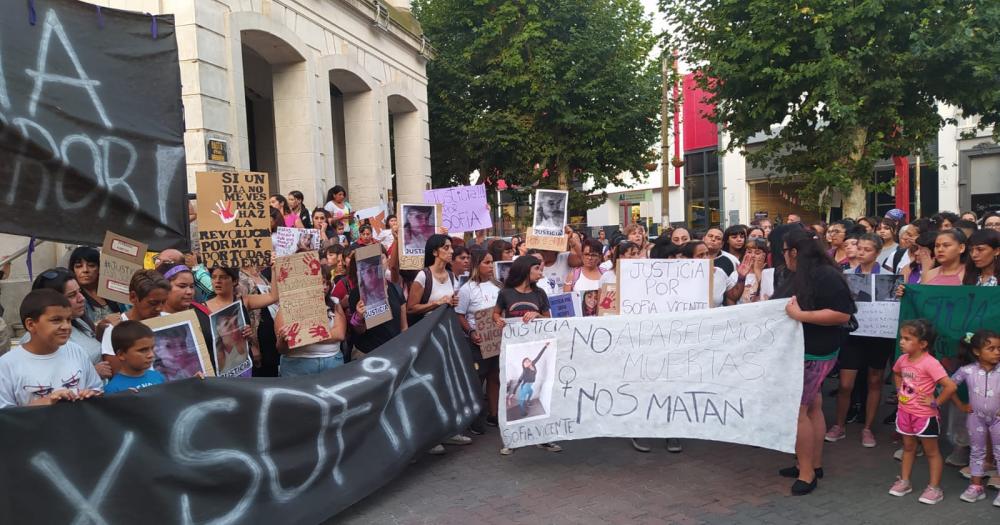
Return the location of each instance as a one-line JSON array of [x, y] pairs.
[[531, 372], [886, 285], [232, 351], [177, 352], [861, 286], [419, 223], [550, 213], [372, 284], [501, 269], [590, 301]]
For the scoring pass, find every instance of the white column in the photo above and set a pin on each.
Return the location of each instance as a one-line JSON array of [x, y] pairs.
[[948, 197]]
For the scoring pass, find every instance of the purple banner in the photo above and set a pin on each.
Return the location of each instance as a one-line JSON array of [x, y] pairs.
[[464, 208]]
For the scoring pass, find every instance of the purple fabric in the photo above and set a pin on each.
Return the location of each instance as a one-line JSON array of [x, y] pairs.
[[814, 372]]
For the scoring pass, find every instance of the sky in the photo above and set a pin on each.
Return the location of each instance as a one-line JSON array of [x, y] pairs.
[[652, 9]]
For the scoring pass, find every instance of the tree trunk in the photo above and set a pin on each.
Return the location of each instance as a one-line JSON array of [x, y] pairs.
[[854, 204]]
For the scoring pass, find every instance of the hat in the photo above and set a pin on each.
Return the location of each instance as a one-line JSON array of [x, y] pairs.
[[895, 214]]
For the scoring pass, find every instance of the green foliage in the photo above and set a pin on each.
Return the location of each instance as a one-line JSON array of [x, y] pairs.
[[851, 81], [567, 85]]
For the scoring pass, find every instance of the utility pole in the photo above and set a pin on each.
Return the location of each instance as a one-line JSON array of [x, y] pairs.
[[665, 164]]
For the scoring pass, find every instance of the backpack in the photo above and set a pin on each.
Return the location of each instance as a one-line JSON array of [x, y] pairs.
[[413, 319]]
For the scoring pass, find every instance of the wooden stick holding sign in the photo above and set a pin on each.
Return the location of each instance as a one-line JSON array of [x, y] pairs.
[[234, 219], [372, 285], [419, 222], [121, 257]]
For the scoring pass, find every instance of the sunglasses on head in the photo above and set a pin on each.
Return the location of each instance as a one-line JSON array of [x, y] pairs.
[[55, 273]]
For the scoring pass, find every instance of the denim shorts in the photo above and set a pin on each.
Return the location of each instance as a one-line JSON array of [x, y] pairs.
[[304, 366]]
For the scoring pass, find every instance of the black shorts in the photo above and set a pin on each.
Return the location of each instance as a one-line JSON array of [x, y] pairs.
[[866, 352]]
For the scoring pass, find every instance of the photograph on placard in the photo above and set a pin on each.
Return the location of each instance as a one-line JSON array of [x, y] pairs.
[[419, 223], [232, 351], [550, 213], [501, 269], [589, 302], [372, 284], [530, 371], [885, 287], [861, 286], [177, 355]]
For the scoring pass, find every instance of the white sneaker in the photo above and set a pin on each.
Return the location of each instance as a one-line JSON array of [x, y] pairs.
[[996, 502], [506, 451], [958, 457], [898, 455], [437, 450], [674, 445], [458, 439]]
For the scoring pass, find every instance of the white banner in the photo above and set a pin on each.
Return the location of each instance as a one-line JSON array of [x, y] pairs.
[[729, 374], [659, 286]]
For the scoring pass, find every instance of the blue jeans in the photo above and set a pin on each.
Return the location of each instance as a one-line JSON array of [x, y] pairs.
[[524, 396], [304, 366]]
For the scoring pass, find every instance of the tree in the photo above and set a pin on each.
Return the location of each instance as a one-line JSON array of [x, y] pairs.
[[849, 82], [541, 92]]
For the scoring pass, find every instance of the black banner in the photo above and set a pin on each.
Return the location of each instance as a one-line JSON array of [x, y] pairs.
[[291, 450], [91, 125]]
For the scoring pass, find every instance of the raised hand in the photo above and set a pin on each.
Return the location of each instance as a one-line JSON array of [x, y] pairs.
[[225, 211]]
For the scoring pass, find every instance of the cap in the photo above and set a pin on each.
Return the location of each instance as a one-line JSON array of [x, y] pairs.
[[896, 214]]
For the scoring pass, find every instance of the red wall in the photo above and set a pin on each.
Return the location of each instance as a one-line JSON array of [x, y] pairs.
[[699, 133]]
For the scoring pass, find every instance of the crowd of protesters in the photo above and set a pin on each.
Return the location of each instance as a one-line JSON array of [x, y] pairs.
[[79, 345]]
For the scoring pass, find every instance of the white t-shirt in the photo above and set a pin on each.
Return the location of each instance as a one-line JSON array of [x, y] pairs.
[[608, 277], [25, 376], [445, 289], [720, 285], [474, 297], [766, 290], [555, 274]]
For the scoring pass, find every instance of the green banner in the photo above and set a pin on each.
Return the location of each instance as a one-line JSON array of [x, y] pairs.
[[954, 310]]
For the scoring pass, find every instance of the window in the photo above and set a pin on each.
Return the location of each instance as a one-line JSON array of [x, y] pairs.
[[701, 185]]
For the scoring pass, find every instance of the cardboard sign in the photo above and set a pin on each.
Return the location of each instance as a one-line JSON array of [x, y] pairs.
[[555, 244], [652, 286], [121, 257], [300, 288], [180, 349], [490, 335], [375, 216], [417, 223], [565, 305], [287, 241], [372, 285], [232, 350], [234, 219], [464, 208], [607, 300]]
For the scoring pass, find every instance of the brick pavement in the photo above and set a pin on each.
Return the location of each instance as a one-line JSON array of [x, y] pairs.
[[600, 481]]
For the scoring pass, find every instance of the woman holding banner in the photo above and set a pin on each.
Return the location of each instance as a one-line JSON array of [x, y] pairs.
[[821, 301], [480, 293]]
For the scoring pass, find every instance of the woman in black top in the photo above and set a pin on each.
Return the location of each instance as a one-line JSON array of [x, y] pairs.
[[821, 301]]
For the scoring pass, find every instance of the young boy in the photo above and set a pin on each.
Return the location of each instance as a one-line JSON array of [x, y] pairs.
[[48, 368], [133, 344]]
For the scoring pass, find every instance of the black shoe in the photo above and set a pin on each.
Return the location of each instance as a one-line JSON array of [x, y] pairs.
[[890, 419], [476, 427], [492, 421], [801, 488], [793, 472], [854, 415]]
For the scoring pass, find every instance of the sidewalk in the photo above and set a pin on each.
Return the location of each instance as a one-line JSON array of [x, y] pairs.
[[605, 481]]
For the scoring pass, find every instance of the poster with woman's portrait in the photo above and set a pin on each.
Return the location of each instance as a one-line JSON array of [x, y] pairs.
[[180, 350], [419, 222], [372, 285], [589, 303], [232, 350], [550, 213], [530, 371]]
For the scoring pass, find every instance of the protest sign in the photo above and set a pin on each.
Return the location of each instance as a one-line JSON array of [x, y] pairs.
[[375, 216], [536, 242], [489, 333], [419, 222], [550, 213], [234, 219], [501, 269], [565, 304], [878, 306], [953, 310], [232, 350], [589, 302], [287, 241], [91, 125], [300, 289], [607, 300], [464, 208], [180, 349], [372, 285], [121, 257], [651, 286], [729, 374], [273, 450]]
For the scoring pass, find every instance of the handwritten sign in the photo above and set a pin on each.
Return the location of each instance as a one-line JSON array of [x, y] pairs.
[[372, 285], [727, 374], [953, 310], [652, 286], [300, 289], [490, 335], [464, 208], [565, 305], [878, 307], [287, 241], [536, 242], [234, 221], [121, 257]]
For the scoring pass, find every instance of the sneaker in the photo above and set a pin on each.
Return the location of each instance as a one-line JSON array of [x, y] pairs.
[[855, 414], [551, 447], [966, 472], [898, 454], [437, 450], [996, 502], [674, 445], [639, 446], [931, 495], [506, 451], [973, 493], [901, 487], [458, 439], [835, 434], [793, 472], [477, 428], [492, 421], [994, 482], [867, 439], [959, 457]]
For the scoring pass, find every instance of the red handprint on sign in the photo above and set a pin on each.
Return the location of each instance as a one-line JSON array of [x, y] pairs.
[[319, 331], [283, 272], [225, 211], [292, 335], [313, 265]]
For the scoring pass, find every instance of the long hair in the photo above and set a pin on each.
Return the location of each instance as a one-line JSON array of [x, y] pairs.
[[989, 238], [520, 271], [809, 261], [689, 248], [960, 238], [435, 242], [285, 209], [335, 190], [477, 254], [496, 247], [975, 341], [733, 231]]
